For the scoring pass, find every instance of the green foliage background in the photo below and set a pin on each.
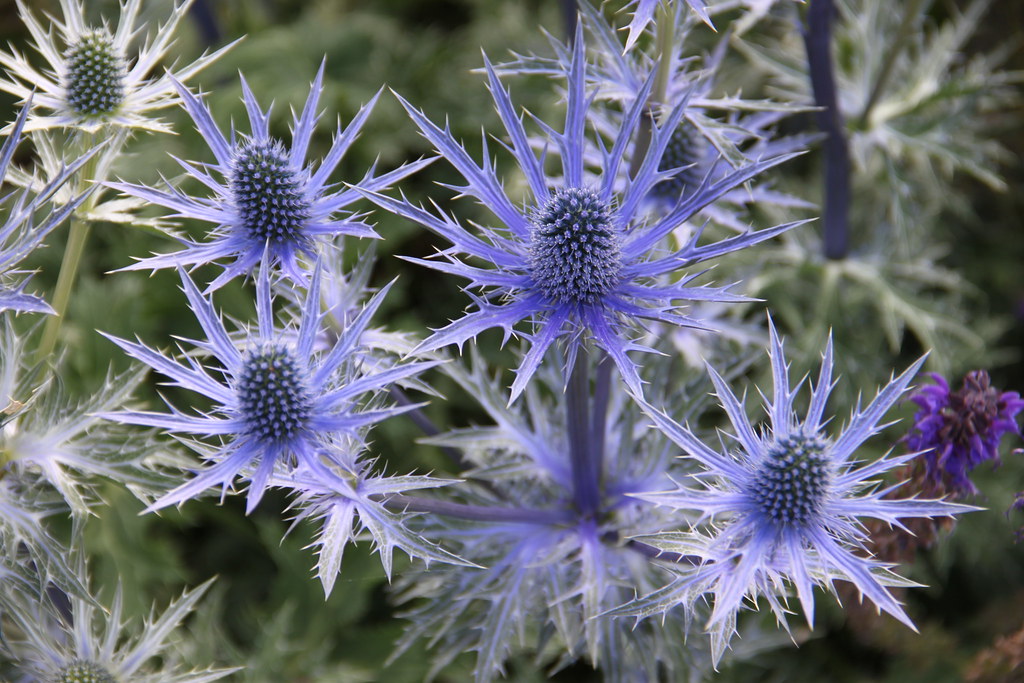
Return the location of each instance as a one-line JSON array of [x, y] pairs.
[[267, 612]]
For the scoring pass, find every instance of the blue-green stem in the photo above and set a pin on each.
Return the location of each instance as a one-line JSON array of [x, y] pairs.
[[665, 26], [77, 236], [818, 44], [599, 410], [665, 44]]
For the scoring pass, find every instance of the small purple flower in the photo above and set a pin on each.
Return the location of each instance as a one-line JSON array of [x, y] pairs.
[[270, 201], [276, 399], [955, 431]]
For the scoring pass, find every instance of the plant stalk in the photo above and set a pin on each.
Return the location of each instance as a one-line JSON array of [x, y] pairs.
[[585, 460], [817, 42], [77, 236]]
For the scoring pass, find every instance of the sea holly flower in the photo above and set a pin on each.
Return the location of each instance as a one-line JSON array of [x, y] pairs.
[[95, 76], [581, 256], [85, 643], [270, 203], [20, 234], [788, 505], [277, 399], [955, 431]]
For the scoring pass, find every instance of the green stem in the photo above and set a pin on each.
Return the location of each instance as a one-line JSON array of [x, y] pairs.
[[79, 232], [91, 175], [666, 27], [666, 23]]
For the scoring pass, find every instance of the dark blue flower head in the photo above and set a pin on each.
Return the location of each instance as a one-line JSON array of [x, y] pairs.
[[269, 201], [574, 247], [273, 394], [268, 193], [791, 482], [955, 431], [582, 258]]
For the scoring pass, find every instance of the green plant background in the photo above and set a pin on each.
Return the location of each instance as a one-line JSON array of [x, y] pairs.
[[267, 611]]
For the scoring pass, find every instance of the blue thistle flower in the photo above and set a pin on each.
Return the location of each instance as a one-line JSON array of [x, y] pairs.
[[270, 202], [716, 134], [581, 256], [548, 568], [955, 431], [95, 76], [788, 504], [279, 397]]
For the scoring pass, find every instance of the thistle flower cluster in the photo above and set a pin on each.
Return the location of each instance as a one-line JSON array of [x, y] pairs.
[[599, 508], [291, 403]]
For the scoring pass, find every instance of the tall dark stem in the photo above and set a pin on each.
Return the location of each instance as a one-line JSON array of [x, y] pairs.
[[585, 461], [570, 15], [906, 29], [817, 41]]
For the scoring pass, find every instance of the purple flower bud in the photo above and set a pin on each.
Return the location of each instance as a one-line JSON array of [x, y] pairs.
[[957, 430]]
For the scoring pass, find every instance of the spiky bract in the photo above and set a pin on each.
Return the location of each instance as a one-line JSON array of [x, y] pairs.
[[279, 399]]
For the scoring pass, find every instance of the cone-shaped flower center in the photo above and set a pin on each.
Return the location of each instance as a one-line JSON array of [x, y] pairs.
[[791, 482], [94, 83], [272, 394], [685, 148], [574, 248], [268, 193], [81, 671]]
